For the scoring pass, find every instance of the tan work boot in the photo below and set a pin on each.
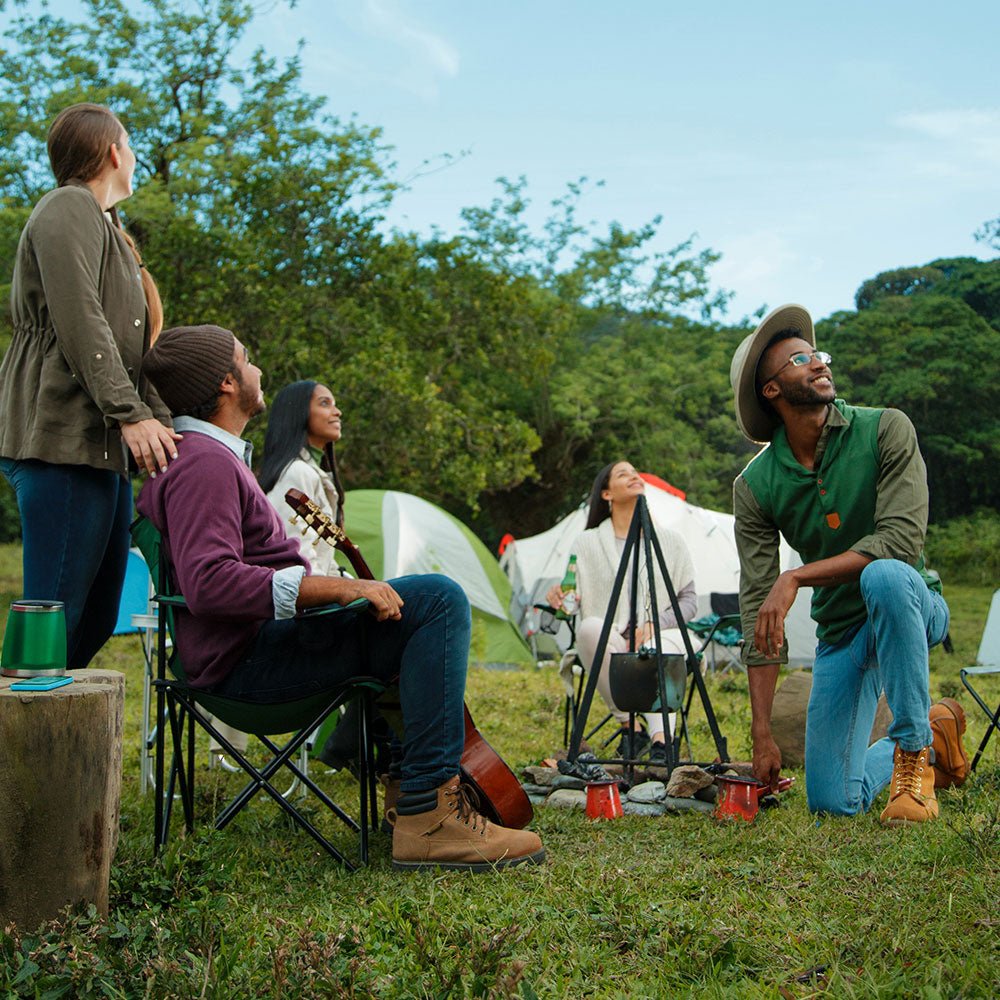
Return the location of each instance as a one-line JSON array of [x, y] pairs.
[[911, 792], [390, 789], [951, 762], [450, 833]]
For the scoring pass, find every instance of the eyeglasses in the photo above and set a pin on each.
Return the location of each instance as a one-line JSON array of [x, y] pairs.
[[802, 358]]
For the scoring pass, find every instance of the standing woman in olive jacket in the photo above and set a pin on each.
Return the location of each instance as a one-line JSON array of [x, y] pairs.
[[72, 405]]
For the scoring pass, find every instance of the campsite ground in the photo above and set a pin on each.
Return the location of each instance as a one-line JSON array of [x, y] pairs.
[[790, 906]]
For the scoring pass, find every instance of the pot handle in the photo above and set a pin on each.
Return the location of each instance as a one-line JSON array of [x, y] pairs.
[[783, 785]]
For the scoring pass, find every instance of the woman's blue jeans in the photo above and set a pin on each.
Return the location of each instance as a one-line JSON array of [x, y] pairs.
[[428, 649], [74, 531], [886, 652]]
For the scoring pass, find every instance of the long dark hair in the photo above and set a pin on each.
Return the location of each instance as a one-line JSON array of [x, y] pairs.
[[78, 144], [288, 433], [599, 509]]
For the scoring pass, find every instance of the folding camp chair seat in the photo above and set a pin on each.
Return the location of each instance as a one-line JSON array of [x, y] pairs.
[[988, 660], [721, 633], [181, 709]]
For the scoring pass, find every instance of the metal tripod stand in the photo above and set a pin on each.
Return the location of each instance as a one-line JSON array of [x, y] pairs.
[[642, 538]]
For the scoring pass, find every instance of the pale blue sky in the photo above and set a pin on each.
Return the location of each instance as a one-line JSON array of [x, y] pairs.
[[812, 144]]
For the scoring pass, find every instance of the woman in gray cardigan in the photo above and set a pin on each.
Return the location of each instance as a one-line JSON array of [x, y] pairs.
[[72, 405], [599, 551]]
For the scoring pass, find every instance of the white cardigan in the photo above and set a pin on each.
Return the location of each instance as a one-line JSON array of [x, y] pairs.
[[597, 559], [304, 474]]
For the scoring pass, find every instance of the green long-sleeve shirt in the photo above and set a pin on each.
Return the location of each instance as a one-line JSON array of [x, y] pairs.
[[898, 477]]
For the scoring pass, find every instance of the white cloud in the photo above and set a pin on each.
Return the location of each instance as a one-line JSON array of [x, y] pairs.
[[770, 265], [385, 19], [399, 51], [963, 132]]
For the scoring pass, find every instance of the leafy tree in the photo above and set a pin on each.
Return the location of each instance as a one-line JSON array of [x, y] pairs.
[[931, 356], [258, 211], [604, 392], [975, 282], [456, 359], [989, 233]]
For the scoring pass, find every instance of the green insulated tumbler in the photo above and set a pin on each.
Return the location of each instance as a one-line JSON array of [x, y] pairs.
[[34, 644]]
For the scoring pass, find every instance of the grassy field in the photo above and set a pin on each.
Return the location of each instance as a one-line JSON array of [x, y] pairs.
[[790, 906]]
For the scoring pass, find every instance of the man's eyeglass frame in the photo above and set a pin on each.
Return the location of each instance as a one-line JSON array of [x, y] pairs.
[[800, 358]]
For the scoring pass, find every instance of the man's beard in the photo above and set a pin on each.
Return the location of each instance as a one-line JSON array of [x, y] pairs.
[[251, 402], [808, 394]]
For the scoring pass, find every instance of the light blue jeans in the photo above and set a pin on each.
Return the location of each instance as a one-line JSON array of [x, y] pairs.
[[886, 652]]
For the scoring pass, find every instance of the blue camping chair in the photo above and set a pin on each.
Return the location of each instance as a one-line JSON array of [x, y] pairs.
[[135, 594]]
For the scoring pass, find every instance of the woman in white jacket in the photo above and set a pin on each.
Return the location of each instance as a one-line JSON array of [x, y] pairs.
[[599, 551], [302, 429]]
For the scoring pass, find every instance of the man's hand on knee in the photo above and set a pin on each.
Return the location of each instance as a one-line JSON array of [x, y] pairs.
[[315, 591]]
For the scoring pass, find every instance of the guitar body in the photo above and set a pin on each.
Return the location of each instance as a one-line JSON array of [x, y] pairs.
[[502, 800]]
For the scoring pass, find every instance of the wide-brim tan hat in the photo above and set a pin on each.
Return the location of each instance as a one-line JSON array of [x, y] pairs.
[[757, 423]]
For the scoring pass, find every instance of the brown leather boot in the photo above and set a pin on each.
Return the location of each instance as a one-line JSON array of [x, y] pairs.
[[911, 792], [951, 762], [390, 788], [441, 828]]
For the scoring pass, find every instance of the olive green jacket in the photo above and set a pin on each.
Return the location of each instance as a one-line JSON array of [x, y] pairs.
[[71, 374]]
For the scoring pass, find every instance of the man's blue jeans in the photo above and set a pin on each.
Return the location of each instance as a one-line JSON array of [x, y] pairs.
[[887, 651], [74, 531], [428, 649]]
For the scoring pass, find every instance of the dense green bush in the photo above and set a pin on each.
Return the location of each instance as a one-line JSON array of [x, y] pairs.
[[967, 549]]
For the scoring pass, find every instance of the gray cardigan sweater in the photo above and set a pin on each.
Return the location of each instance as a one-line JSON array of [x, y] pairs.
[[71, 373]]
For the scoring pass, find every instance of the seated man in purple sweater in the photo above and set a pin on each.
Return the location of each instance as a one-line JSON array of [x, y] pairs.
[[244, 583]]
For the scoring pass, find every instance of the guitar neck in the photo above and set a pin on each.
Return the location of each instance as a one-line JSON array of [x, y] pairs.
[[356, 559], [326, 529]]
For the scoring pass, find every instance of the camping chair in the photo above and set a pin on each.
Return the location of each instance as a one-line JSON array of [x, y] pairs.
[[180, 708], [571, 670], [137, 614], [721, 633], [988, 660]]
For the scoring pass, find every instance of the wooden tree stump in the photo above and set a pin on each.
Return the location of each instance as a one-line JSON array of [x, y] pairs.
[[60, 788]]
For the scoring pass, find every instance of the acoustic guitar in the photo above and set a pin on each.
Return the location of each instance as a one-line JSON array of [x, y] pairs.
[[501, 797]]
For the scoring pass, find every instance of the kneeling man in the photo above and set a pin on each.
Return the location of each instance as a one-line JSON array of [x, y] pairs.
[[244, 582], [847, 487]]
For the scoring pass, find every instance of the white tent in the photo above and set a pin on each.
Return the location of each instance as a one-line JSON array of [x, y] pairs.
[[534, 564]]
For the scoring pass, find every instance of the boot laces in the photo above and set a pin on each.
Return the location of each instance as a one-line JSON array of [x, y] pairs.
[[909, 766], [466, 803]]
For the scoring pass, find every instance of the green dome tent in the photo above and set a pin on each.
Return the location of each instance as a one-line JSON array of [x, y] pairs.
[[399, 534]]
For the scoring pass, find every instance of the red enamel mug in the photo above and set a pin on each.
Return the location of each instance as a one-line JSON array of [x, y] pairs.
[[739, 798], [603, 800]]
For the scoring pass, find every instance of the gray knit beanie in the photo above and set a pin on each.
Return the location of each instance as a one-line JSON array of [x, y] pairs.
[[187, 365]]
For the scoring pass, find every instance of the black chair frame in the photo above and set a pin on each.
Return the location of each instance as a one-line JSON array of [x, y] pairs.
[[183, 707]]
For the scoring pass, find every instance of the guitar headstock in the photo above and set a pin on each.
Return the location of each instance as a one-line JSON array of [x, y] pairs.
[[314, 517]]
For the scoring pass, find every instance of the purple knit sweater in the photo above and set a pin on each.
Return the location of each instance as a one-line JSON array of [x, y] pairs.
[[224, 541]]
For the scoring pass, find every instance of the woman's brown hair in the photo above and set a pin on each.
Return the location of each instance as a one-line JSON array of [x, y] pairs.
[[78, 144]]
